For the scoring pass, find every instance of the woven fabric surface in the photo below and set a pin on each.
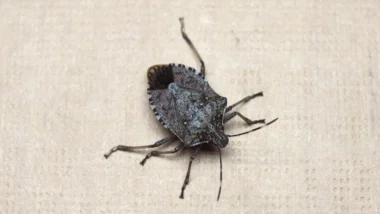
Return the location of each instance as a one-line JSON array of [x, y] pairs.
[[73, 85]]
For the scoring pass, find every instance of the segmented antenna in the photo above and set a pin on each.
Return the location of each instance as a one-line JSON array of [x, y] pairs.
[[221, 172]]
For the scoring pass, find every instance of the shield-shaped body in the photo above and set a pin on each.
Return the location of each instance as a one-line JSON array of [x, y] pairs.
[[184, 103]]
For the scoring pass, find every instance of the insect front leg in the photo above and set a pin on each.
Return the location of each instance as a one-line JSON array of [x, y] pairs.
[[246, 99], [188, 41], [132, 148], [248, 121], [188, 171], [158, 153]]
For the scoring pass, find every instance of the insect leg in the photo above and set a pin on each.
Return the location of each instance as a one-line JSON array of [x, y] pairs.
[[188, 41], [246, 99], [131, 148], [248, 121], [253, 130], [158, 153], [188, 171]]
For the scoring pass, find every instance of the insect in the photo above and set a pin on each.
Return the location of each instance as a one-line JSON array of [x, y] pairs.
[[186, 105]]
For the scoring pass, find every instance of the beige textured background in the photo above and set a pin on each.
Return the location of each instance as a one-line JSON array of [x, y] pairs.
[[73, 84]]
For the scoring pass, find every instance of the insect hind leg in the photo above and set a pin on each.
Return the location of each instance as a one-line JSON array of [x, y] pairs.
[[132, 148], [244, 100], [188, 41]]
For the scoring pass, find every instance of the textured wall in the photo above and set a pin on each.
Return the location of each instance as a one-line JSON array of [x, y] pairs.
[[73, 84]]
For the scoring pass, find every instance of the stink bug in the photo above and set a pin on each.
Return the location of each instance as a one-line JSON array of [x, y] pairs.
[[185, 104]]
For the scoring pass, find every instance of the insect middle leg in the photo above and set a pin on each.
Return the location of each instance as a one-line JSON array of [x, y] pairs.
[[188, 41], [248, 121], [158, 153], [188, 171], [246, 99], [132, 148]]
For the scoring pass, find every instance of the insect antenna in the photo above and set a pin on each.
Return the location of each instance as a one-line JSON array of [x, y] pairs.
[[221, 170], [243, 133]]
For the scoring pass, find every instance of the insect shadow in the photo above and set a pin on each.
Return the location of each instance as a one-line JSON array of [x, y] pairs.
[[185, 104]]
